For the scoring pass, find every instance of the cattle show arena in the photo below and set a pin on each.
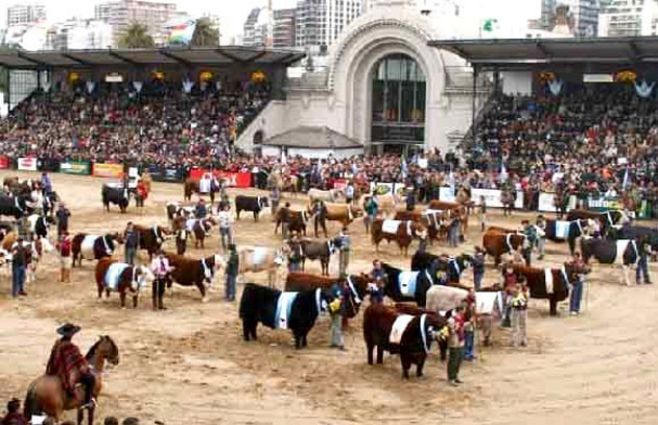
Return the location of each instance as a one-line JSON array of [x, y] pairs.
[[190, 365]]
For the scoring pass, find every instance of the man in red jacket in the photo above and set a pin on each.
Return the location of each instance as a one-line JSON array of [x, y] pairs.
[[67, 363]]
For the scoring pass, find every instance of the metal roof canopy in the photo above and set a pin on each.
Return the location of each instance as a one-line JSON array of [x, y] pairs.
[[515, 53], [193, 56]]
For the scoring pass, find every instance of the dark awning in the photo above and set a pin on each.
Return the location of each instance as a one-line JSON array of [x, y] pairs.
[[494, 52], [221, 55]]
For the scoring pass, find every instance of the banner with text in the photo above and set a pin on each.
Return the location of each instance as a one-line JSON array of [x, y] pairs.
[[76, 167], [382, 188], [5, 162], [241, 180], [27, 164], [108, 170], [491, 197]]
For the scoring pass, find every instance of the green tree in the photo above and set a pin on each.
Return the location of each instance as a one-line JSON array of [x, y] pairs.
[[205, 34], [136, 37]]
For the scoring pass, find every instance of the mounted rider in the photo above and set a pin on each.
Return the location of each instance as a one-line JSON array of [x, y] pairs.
[[70, 366]]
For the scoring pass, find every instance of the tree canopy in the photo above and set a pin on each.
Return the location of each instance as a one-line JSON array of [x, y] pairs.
[[205, 34], [136, 37]]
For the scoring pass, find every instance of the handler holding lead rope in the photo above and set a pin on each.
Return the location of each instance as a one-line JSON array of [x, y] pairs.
[[161, 269]]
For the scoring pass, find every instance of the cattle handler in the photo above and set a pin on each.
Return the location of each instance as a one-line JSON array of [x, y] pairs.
[[519, 306], [344, 246], [232, 269], [161, 268]]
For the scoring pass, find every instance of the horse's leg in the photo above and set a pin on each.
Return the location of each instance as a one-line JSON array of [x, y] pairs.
[[100, 291], [80, 416]]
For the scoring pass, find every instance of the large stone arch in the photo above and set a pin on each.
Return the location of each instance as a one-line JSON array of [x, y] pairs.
[[356, 56]]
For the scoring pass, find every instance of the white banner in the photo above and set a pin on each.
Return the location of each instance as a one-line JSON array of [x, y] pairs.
[[27, 164], [491, 197], [547, 202]]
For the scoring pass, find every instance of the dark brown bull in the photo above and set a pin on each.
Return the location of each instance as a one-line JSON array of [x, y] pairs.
[[407, 231], [455, 209], [152, 238], [192, 272], [297, 220], [414, 344], [103, 246], [315, 250], [358, 285]]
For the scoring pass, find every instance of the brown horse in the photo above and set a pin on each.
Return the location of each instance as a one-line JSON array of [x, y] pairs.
[[46, 394]]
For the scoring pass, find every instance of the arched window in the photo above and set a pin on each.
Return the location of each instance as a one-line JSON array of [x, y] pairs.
[[398, 103]]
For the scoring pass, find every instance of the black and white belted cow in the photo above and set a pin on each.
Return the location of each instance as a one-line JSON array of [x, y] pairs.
[[93, 247], [115, 195], [16, 206], [254, 204], [40, 225], [623, 252], [452, 266], [560, 230], [296, 311]]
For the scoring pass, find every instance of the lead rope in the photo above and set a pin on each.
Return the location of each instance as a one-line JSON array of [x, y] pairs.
[[423, 334]]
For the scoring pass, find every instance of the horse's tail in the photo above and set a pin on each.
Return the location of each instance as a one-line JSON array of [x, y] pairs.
[[31, 405]]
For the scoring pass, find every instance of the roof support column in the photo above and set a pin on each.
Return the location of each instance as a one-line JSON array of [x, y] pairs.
[[474, 129]]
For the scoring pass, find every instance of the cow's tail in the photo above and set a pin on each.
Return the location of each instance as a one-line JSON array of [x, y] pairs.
[[31, 405]]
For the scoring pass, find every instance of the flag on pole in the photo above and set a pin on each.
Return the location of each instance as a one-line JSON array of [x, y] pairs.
[[503, 173], [625, 181], [489, 25]]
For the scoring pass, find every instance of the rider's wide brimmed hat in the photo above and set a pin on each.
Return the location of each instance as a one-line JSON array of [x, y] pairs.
[[68, 329]]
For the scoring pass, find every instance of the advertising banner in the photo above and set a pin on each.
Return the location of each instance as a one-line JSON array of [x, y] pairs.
[[27, 164], [340, 184], [76, 167], [491, 197], [4, 162], [241, 180], [382, 188], [547, 202], [160, 174], [108, 170], [602, 204]]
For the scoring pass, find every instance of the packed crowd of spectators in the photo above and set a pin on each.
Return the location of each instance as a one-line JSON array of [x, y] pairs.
[[161, 125], [589, 143]]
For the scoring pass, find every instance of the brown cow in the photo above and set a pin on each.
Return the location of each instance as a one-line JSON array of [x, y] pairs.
[[387, 203], [152, 238], [297, 220], [194, 272], [406, 231], [540, 288], [113, 275], [497, 243], [343, 213], [414, 342], [192, 186], [199, 227], [358, 284], [455, 209], [435, 221]]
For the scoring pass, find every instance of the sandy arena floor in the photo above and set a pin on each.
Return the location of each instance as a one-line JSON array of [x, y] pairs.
[[189, 365]]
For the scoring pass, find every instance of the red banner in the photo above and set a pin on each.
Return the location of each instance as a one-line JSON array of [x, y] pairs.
[[4, 162], [340, 184], [241, 180]]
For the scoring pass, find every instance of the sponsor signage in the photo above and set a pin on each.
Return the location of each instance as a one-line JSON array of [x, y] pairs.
[[27, 164], [108, 170], [75, 167]]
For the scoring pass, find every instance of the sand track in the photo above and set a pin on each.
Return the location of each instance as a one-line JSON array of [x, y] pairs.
[[188, 365]]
